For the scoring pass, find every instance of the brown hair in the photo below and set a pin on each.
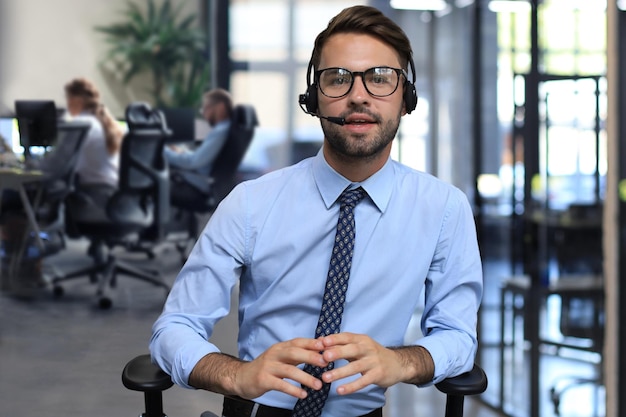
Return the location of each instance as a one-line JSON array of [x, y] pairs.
[[219, 95], [85, 89], [367, 20]]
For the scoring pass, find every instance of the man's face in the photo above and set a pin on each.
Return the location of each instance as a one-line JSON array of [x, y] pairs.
[[371, 122], [208, 111]]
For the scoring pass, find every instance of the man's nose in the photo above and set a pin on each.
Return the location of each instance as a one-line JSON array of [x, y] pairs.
[[358, 92]]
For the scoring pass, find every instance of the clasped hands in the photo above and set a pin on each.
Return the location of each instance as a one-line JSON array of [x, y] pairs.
[[375, 363]]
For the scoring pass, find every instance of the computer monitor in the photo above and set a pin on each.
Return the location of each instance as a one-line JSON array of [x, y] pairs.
[[181, 122], [37, 123], [9, 132]]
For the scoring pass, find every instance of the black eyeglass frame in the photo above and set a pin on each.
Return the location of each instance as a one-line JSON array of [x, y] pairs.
[[354, 74]]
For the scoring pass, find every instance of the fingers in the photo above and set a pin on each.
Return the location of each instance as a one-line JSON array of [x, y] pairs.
[[271, 370], [367, 359], [368, 363], [276, 382], [347, 346]]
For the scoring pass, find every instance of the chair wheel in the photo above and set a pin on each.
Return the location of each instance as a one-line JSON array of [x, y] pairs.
[[58, 291], [105, 303]]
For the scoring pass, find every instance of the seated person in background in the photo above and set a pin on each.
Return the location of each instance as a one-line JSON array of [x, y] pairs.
[[410, 240], [97, 167], [98, 162], [190, 168]]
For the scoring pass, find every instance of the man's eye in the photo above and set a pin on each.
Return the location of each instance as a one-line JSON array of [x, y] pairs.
[[341, 80], [379, 79]]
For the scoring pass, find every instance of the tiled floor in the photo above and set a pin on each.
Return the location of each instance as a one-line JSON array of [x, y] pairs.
[[63, 357]]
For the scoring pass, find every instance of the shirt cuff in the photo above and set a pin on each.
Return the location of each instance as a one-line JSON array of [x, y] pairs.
[[186, 359]]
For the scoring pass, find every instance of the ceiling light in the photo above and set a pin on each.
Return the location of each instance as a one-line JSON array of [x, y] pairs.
[[418, 4], [509, 6]]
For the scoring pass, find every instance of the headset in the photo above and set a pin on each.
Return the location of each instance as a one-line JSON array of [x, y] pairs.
[[308, 100]]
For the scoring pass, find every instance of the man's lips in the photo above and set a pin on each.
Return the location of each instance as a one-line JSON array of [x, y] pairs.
[[359, 119]]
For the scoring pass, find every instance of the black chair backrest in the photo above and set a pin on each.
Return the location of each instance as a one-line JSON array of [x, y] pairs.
[[141, 156], [144, 174], [243, 124], [583, 314], [70, 137]]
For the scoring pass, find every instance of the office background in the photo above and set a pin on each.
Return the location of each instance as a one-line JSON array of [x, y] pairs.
[[463, 130]]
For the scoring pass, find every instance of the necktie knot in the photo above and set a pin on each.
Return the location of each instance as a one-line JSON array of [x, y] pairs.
[[351, 197]]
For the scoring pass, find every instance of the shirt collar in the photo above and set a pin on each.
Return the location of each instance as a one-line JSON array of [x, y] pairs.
[[331, 184], [225, 122]]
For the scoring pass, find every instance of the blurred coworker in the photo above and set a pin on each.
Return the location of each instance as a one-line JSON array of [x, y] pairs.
[[190, 168], [98, 162]]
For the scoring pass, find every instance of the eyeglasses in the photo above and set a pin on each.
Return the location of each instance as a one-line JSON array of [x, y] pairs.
[[378, 81]]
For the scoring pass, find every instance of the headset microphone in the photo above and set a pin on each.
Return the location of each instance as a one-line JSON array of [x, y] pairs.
[[304, 100], [336, 120]]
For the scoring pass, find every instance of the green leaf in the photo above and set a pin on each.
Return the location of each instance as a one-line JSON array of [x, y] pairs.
[[155, 40]]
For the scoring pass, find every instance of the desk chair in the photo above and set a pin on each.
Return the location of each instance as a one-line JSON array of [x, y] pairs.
[[581, 319], [220, 182], [60, 169], [139, 207], [578, 240], [223, 172], [140, 374]]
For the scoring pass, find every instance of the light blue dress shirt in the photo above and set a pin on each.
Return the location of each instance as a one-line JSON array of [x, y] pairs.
[[200, 160], [273, 235]]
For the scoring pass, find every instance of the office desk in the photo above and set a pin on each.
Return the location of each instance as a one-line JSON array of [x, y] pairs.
[[16, 179]]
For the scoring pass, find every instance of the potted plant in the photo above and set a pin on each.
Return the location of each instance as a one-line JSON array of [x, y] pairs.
[[158, 41]]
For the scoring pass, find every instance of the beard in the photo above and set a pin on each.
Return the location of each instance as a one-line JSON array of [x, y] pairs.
[[359, 146]]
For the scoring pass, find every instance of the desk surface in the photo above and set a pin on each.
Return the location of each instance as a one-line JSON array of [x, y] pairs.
[[568, 283], [565, 220], [19, 171], [15, 177]]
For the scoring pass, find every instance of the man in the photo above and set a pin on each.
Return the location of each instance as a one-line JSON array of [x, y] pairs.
[[190, 169], [274, 236]]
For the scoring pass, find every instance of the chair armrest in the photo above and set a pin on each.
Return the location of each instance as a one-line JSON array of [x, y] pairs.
[[470, 383], [140, 374]]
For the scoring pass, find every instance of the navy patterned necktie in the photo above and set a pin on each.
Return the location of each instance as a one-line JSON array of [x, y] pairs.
[[334, 297]]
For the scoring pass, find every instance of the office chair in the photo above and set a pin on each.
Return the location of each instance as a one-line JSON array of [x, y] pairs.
[[140, 374], [222, 179], [578, 240], [223, 172], [578, 254], [60, 168], [139, 206], [581, 319]]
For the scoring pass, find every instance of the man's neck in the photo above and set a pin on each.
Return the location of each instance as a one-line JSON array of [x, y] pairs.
[[355, 169]]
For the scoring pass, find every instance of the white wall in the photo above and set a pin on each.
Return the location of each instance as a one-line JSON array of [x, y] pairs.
[[44, 44]]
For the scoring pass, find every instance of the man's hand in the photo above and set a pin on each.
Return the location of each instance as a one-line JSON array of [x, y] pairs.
[[227, 375], [176, 148], [377, 364]]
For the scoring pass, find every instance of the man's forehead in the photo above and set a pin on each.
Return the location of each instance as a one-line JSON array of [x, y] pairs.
[[357, 51]]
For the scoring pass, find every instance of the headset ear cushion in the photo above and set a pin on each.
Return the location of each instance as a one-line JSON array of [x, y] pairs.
[[310, 98], [410, 96]]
